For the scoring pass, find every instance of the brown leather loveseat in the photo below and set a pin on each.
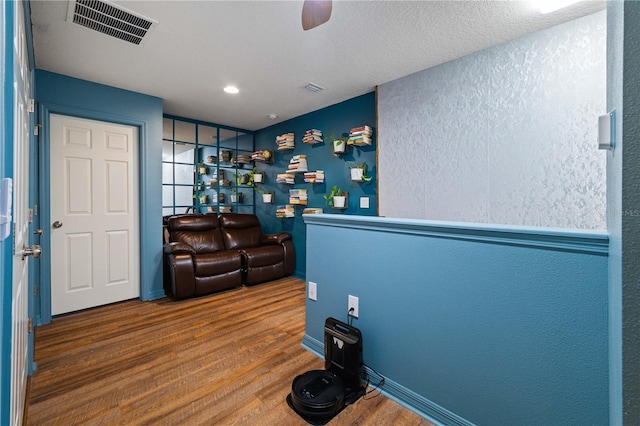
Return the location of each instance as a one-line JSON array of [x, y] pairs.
[[206, 253]]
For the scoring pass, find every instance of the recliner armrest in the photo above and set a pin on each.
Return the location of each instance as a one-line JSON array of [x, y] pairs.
[[174, 248], [278, 238]]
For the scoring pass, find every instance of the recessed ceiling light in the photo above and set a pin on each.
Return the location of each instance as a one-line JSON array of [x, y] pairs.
[[548, 6], [231, 89]]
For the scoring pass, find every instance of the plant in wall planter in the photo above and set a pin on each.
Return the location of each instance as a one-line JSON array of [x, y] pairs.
[[337, 198], [237, 197], [339, 145], [203, 198], [358, 171], [267, 197], [255, 176]]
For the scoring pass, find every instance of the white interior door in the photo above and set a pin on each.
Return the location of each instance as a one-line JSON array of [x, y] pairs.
[[21, 217], [94, 213]]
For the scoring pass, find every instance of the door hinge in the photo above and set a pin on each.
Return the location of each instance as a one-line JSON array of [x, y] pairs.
[[36, 130], [30, 215], [35, 290], [30, 326], [32, 105]]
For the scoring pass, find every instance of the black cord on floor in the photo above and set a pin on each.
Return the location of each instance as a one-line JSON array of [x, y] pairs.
[[367, 379]]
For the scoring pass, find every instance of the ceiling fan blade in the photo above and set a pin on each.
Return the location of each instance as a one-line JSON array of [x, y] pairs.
[[315, 12]]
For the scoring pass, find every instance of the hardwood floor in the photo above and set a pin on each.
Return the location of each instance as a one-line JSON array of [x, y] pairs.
[[224, 359]]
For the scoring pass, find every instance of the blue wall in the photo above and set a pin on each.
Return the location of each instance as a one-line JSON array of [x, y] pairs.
[[65, 95], [482, 324], [623, 215], [6, 170], [336, 119]]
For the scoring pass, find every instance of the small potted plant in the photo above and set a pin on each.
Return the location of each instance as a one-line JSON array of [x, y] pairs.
[[203, 198], [255, 176], [237, 196], [339, 145], [336, 198], [267, 197], [358, 171]]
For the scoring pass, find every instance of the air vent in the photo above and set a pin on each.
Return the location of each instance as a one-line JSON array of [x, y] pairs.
[[110, 19], [312, 87]]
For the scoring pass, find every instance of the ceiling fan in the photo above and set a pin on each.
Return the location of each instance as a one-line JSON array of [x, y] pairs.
[[315, 12]]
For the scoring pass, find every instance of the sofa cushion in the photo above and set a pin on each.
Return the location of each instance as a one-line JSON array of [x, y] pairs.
[[240, 231], [202, 232], [216, 263], [262, 256]]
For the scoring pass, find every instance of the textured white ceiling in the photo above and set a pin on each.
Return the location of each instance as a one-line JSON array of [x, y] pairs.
[[201, 46]]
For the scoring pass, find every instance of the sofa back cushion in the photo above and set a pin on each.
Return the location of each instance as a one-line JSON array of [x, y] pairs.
[[202, 232], [240, 231]]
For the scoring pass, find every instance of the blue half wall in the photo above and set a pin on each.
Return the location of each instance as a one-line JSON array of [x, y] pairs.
[[492, 325]]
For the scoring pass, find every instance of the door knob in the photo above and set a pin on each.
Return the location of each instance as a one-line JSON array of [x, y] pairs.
[[35, 251], [38, 232], [57, 224]]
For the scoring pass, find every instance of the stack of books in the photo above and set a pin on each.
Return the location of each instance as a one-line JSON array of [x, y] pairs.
[[225, 209], [225, 156], [285, 141], [312, 210], [264, 156], [298, 196], [286, 178], [360, 136], [314, 177], [312, 137], [285, 211], [244, 159], [298, 163]]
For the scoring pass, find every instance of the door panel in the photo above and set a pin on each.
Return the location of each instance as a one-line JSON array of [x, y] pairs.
[[94, 213], [21, 217]]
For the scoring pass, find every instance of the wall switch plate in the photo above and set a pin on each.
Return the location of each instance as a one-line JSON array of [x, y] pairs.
[[606, 133], [313, 291], [353, 303], [364, 202]]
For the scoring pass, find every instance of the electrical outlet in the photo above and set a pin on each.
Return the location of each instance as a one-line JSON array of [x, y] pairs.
[[353, 303], [313, 290]]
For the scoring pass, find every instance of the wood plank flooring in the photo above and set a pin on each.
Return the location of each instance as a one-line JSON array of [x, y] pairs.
[[223, 359]]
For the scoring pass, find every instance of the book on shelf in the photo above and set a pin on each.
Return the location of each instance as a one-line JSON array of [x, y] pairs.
[[312, 137], [286, 178], [264, 156], [359, 140], [298, 196], [285, 211], [312, 210], [298, 163], [360, 129], [285, 141], [314, 176], [360, 136]]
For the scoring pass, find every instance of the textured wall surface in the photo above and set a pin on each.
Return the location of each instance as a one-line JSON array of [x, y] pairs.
[[631, 216], [506, 135]]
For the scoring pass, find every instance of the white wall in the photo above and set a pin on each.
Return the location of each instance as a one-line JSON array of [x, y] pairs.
[[506, 135]]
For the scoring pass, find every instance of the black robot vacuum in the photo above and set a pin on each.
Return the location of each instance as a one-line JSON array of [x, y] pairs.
[[319, 395]]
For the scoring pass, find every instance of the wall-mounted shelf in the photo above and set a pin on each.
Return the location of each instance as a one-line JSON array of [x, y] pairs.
[[360, 136], [264, 156], [285, 211], [285, 141], [314, 176], [312, 137]]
